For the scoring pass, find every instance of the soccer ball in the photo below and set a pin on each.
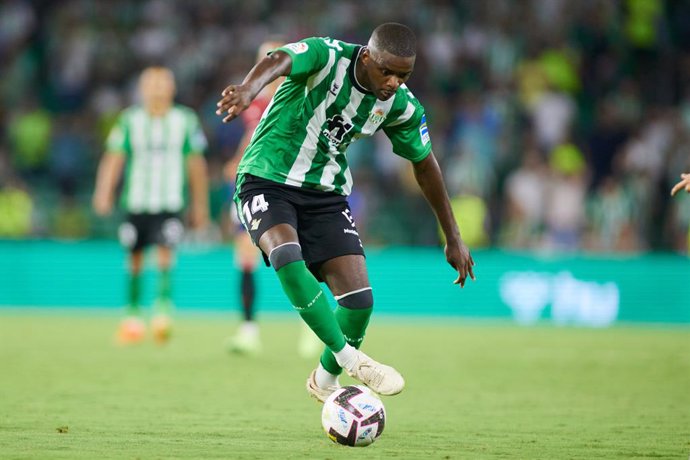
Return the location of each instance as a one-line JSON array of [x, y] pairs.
[[353, 416]]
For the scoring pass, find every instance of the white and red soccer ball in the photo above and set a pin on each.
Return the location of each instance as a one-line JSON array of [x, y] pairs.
[[353, 416]]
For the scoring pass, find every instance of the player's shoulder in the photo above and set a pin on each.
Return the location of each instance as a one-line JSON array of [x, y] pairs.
[[323, 44], [130, 114], [131, 111], [404, 102], [405, 94], [346, 49]]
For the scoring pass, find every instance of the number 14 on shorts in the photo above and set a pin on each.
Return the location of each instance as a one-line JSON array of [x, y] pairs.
[[259, 204]]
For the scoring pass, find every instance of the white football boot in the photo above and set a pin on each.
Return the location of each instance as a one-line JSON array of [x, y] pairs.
[[315, 391], [380, 378]]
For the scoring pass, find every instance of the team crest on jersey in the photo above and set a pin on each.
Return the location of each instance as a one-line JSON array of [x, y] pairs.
[[297, 48], [377, 116], [424, 131]]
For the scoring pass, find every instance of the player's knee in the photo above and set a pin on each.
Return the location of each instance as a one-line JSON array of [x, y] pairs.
[[284, 254], [357, 300]]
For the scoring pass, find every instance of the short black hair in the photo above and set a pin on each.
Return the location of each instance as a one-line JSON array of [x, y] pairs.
[[397, 39]]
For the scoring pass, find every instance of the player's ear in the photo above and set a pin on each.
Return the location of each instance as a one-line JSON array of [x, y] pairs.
[[366, 56]]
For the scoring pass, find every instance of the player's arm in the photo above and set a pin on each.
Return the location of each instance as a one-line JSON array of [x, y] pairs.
[[409, 135], [428, 175], [198, 189], [108, 175], [683, 184], [236, 98]]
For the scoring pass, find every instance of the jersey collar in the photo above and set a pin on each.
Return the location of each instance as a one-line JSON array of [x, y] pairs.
[[353, 75]]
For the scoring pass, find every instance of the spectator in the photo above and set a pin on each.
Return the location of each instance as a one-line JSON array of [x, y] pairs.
[[525, 193], [565, 199], [613, 73]]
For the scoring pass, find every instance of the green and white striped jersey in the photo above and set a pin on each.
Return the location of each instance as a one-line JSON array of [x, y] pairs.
[[156, 149], [318, 111]]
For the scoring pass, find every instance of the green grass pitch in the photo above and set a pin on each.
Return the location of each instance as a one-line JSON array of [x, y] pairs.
[[474, 391]]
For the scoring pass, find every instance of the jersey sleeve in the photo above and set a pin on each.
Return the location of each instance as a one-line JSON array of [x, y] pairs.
[[409, 133], [308, 57], [195, 140], [117, 141]]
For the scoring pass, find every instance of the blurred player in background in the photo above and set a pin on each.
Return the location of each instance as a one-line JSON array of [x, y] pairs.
[[683, 184], [294, 178], [246, 254], [247, 339], [161, 145]]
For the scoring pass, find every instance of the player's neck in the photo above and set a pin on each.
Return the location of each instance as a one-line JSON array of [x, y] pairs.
[[360, 73], [157, 110]]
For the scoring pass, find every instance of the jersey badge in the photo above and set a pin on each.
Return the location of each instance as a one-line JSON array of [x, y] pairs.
[[424, 131], [297, 48], [377, 116]]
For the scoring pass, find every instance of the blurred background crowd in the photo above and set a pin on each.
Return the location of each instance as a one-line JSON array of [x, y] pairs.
[[560, 125]]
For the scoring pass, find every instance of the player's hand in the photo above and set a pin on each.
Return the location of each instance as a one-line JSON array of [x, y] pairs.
[[459, 257], [683, 184], [235, 99], [102, 204]]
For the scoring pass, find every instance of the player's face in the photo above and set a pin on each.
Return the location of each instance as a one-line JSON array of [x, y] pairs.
[[157, 86], [386, 72]]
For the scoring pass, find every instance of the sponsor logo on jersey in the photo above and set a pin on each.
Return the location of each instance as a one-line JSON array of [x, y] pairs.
[[297, 48], [336, 128], [334, 89], [424, 131], [377, 116]]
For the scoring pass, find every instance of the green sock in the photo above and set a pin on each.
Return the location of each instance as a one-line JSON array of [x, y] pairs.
[[353, 323], [164, 300], [309, 300], [134, 294]]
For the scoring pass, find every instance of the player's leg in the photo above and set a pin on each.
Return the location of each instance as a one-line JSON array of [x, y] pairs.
[[167, 231], [161, 322], [347, 278], [247, 338], [246, 255], [335, 253], [163, 302], [132, 329], [135, 267], [272, 213], [282, 245], [269, 213]]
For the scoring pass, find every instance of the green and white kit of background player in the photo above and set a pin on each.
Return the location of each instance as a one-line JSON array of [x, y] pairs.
[[156, 150], [316, 113]]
